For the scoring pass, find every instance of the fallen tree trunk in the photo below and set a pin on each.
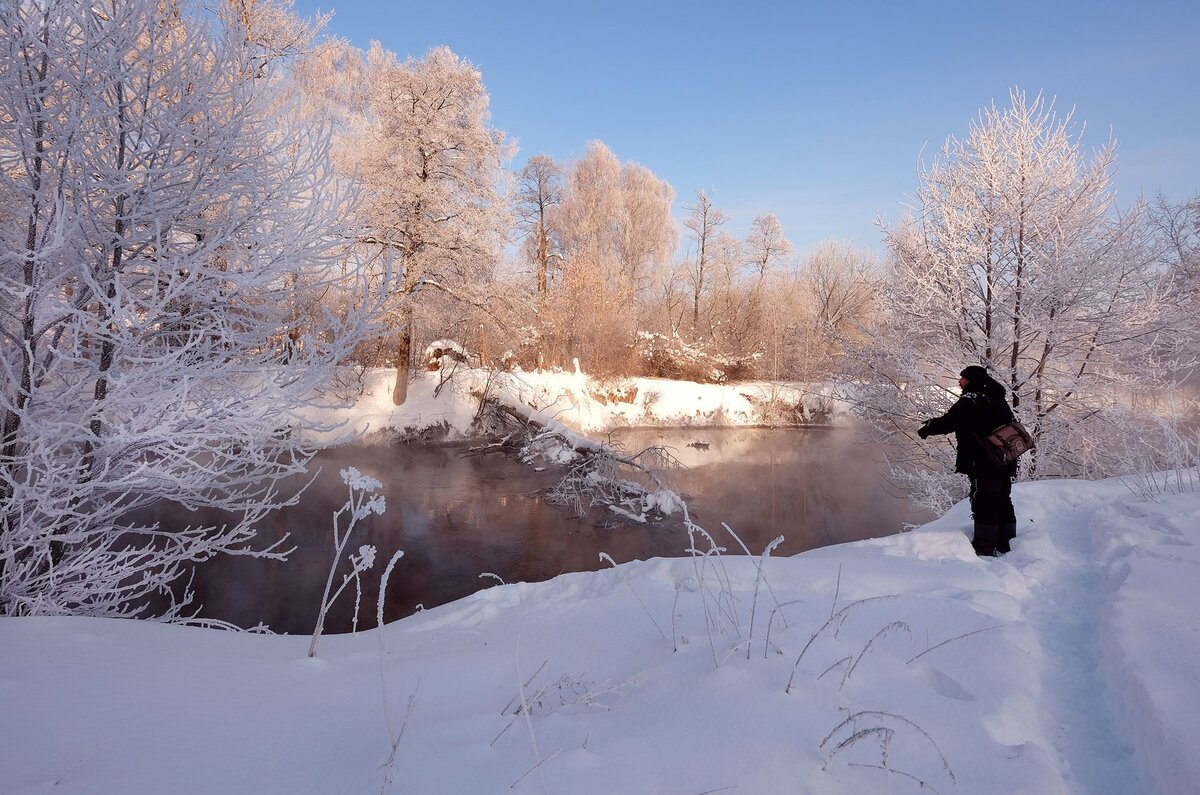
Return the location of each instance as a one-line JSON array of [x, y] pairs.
[[595, 470]]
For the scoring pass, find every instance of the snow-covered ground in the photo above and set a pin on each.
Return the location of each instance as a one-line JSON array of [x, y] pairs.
[[885, 666], [577, 400]]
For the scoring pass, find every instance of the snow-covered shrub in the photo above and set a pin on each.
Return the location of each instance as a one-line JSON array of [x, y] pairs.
[[349, 382], [818, 408], [776, 406], [614, 390], [439, 353], [672, 357], [1164, 460], [737, 368]]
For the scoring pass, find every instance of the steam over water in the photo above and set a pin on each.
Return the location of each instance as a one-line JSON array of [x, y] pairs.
[[459, 517]]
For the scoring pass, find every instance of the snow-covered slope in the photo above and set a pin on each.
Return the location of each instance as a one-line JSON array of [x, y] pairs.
[[881, 666]]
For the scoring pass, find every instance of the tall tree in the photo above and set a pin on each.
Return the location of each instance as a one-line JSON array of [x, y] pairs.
[[648, 235], [433, 169], [730, 315], [156, 206], [1176, 227], [768, 255], [703, 221], [592, 311], [766, 249], [614, 227], [539, 188], [1017, 260], [844, 284], [839, 291]]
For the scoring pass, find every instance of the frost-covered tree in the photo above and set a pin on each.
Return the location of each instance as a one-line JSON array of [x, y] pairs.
[[785, 329], [614, 230], [271, 32], [539, 188], [157, 212], [433, 169], [1176, 228], [592, 314], [1016, 259], [833, 296], [729, 314], [842, 284], [648, 234], [767, 256], [703, 221], [766, 249]]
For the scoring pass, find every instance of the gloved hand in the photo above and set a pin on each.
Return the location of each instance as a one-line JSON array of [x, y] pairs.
[[923, 431]]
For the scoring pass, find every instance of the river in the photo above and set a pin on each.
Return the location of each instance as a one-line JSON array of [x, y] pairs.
[[458, 517]]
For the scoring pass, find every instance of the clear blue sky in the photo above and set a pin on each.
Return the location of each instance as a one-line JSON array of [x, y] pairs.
[[817, 112]]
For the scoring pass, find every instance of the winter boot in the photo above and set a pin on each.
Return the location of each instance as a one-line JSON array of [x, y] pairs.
[[1004, 536], [985, 539]]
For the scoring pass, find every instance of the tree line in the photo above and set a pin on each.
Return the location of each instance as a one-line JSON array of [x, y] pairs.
[[559, 260]]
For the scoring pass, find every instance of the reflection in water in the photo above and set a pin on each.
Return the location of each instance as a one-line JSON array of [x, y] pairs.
[[816, 487], [458, 517]]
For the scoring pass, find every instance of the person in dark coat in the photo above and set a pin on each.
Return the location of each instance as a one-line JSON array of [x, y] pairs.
[[981, 409]]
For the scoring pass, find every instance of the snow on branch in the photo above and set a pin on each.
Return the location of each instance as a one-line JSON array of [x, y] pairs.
[[596, 472], [171, 301]]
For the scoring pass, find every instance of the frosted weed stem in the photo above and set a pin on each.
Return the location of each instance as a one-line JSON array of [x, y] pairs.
[[604, 556]]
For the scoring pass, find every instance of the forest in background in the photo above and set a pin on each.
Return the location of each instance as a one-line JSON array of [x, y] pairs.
[[556, 261]]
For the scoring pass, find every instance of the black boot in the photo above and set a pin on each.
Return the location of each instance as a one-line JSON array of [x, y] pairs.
[[985, 539], [1004, 536]]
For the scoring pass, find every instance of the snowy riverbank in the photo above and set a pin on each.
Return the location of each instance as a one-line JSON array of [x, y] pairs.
[[1071, 666], [577, 400]]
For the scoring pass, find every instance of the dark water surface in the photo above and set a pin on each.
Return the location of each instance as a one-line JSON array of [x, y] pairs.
[[458, 516]]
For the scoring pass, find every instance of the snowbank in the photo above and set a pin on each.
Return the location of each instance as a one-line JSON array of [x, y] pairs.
[[577, 400], [889, 665], [1151, 630]]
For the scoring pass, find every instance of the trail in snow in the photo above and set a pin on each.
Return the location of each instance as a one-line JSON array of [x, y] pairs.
[[1065, 603]]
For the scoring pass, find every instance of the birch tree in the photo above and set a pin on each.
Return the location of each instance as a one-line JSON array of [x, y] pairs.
[[843, 283], [729, 314], [786, 328], [157, 209], [539, 190], [1017, 259], [768, 255]]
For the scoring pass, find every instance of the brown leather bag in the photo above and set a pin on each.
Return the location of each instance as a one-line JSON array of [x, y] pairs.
[[1006, 443]]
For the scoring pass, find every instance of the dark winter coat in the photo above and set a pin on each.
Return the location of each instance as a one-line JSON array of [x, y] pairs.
[[979, 411]]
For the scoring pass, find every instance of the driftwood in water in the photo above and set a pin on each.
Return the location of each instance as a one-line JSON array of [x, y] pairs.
[[594, 475]]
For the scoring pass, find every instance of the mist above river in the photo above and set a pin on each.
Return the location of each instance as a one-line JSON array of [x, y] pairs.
[[459, 516]]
